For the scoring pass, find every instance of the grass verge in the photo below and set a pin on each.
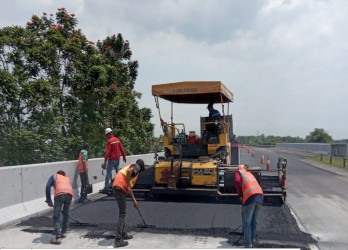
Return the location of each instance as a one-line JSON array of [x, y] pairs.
[[339, 162]]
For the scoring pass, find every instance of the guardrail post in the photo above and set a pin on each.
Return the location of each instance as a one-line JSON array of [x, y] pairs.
[[321, 157], [330, 159], [344, 162]]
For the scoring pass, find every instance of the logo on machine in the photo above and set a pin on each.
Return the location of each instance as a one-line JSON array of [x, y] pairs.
[[164, 175], [203, 171], [184, 90]]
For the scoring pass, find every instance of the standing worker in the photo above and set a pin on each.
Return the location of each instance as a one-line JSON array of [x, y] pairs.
[[124, 181], [113, 152], [82, 166], [251, 196], [63, 194]]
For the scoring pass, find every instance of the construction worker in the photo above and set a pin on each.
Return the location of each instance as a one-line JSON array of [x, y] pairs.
[[113, 152], [211, 132], [123, 183], [213, 113], [82, 167], [63, 194], [251, 196]]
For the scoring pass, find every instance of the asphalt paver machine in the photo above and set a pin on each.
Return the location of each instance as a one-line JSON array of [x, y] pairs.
[[205, 164]]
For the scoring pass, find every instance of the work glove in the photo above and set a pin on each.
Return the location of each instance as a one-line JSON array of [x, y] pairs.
[[124, 159], [50, 204], [103, 165]]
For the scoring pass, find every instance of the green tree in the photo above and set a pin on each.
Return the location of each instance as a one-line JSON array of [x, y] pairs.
[[318, 135], [267, 140], [58, 89]]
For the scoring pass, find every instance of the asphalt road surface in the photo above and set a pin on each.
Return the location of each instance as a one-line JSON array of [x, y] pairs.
[[317, 195], [314, 215]]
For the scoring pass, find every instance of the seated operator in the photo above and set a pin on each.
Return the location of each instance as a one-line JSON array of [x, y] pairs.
[[214, 116], [213, 113]]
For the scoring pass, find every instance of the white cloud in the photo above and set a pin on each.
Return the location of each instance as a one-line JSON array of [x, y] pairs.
[[285, 61]]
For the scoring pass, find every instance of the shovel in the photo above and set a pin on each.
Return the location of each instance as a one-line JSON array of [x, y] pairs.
[[145, 225]]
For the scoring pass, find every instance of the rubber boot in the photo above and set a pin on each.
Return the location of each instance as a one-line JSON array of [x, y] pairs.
[[56, 241], [120, 243], [126, 236]]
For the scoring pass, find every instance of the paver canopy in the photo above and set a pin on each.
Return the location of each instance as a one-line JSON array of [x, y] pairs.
[[199, 92]]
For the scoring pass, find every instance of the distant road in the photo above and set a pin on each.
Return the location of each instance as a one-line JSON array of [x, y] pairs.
[[318, 195]]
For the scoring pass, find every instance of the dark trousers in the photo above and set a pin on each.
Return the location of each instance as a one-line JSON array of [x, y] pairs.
[[84, 183], [62, 201], [121, 199]]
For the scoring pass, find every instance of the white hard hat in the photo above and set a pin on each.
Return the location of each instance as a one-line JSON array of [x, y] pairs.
[[108, 131]]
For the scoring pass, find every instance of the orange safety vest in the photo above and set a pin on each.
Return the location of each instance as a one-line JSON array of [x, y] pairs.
[[62, 185], [120, 180], [80, 164], [250, 186]]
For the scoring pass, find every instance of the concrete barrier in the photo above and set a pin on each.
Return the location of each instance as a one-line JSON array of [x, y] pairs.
[[317, 148], [22, 188]]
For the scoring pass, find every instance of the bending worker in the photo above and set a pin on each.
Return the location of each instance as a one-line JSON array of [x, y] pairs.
[[113, 152], [124, 181], [63, 194], [251, 196]]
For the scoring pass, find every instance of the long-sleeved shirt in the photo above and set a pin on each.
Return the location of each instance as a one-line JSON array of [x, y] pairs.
[[238, 184], [215, 114], [49, 184], [114, 149]]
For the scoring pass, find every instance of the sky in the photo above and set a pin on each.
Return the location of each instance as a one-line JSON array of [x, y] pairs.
[[284, 60]]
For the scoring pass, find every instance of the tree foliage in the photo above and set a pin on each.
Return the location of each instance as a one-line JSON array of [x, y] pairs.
[[267, 140], [58, 89], [319, 135]]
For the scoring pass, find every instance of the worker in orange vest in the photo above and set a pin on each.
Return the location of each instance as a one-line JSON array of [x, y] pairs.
[[82, 166], [63, 194], [251, 196], [123, 183]]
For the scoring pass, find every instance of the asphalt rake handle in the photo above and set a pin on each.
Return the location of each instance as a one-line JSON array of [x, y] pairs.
[[145, 224], [78, 223], [234, 231]]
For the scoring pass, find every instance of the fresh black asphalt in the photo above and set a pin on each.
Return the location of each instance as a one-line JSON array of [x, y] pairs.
[[183, 215]]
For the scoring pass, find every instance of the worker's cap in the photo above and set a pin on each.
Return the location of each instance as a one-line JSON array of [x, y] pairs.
[[139, 166], [61, 172], [210, 105], [242, 168], [108, 131], [85, 146]]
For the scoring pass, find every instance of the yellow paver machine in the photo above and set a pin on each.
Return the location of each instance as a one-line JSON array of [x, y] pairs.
[[201, 164]]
